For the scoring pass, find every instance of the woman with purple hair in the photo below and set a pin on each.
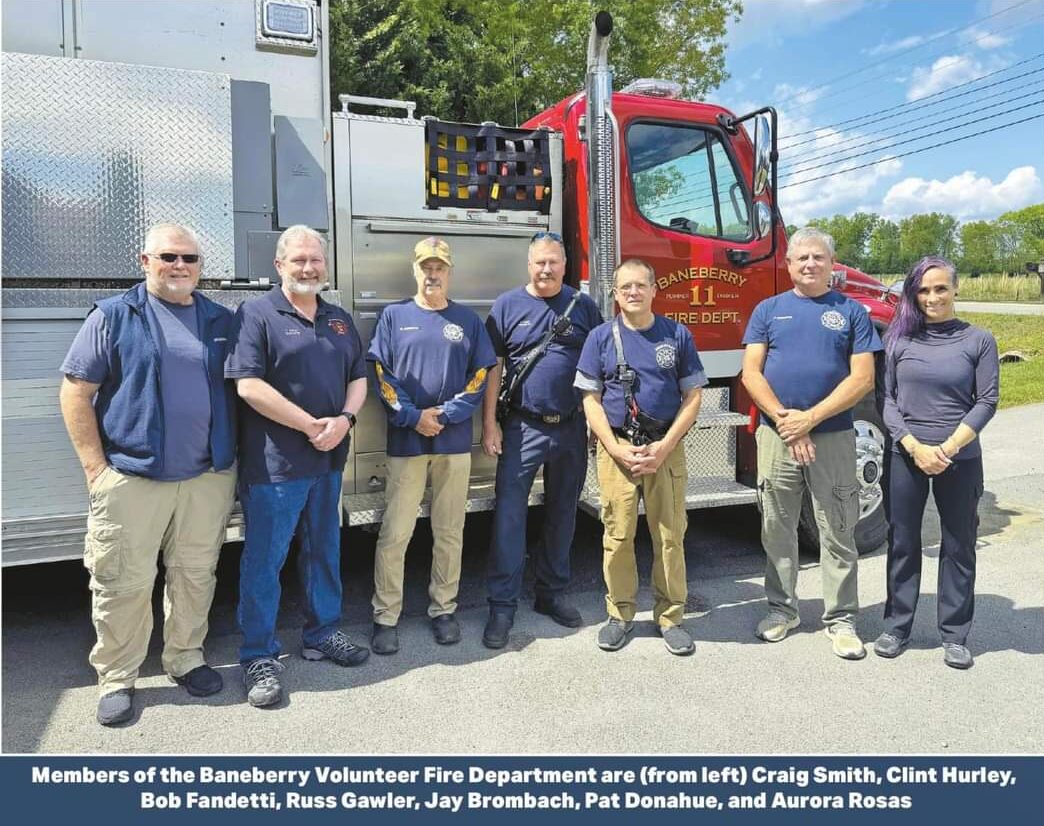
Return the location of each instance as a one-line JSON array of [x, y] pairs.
[[941, 377]]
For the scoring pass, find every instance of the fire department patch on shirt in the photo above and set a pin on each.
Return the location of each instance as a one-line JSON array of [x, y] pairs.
[[666, 355], [453, 332], [338, 326], [833, 320]]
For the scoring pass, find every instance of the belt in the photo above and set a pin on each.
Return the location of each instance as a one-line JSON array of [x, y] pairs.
[[542, 418]]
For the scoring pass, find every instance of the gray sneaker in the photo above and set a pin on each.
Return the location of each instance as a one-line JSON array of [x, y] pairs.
[[956, 655], [261, 678], [889, 645], [776, 626], [116, 707], [339, 648], [677, 640], [613, 635], [845, 641]]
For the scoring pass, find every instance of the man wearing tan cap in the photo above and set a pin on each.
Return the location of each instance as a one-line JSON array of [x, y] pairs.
[[430, 359]]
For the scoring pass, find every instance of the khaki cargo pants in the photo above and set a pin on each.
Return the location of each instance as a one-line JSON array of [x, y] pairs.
[[407, 479], [131, 521], [664, 495], [832, 483]]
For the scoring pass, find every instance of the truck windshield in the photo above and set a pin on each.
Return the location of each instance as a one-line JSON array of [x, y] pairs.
[[684, 180]]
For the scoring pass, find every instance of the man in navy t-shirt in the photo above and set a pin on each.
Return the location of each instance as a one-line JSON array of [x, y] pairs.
[[299, 369], [430, 359], [640, 408], [809, 360], [543, 426], [151, 418]]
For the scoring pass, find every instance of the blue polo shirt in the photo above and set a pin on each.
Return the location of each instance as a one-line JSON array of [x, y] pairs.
[[663, 356], [517, 323], [310, 363], [810, 345], [430, 358]]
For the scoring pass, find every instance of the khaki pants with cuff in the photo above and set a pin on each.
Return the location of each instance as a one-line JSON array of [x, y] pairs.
[[664, 495], [132, 520], [832, 483], [407, 479]]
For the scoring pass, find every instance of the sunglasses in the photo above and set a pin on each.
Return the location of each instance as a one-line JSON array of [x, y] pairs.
[[171, 257], [540, 236]]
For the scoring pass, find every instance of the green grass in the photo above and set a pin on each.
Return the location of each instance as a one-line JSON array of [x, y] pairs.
[[1020, 382], [1021, 288]]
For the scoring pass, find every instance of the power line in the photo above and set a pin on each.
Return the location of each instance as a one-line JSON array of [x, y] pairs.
[[835, 149], [918, 47], [920, 103], [913, 151]]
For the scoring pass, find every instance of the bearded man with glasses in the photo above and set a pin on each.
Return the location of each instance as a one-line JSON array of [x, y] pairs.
[[150, 416]]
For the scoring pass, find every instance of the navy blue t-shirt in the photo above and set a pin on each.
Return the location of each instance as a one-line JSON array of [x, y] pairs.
[[810, 344], [311, 364], [517, 323], [664, 357], [184, 388], [430, 358]]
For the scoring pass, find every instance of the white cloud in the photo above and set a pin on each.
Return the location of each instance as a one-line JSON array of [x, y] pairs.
[[773, 20], [890, 46], [947, 72], [984, 39], [967, 196]]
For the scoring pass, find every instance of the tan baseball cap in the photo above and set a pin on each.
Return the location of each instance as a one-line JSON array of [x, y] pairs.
[[432, 248]]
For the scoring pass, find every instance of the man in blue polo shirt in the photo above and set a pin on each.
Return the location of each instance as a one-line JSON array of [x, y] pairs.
[[543, 426], [430, 359], [640, 407], [298, 365], [809, 359]]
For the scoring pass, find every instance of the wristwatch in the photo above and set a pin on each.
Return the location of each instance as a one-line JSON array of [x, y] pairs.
[[349, 416]]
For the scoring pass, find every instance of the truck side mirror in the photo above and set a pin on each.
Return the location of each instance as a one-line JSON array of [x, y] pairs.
[[762, 154], [762, 219]]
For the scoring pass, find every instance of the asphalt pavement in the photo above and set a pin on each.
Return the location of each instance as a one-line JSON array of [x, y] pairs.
[[1001, 307], [552, 690]]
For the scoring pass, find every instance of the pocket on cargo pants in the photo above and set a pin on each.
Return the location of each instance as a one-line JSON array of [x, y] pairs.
[[845, 507], [103, 544]]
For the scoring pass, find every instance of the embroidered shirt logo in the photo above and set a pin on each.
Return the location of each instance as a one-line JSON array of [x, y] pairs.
[[665, 355], [833, 320], [291, 331], [338, 326], [453, 332]]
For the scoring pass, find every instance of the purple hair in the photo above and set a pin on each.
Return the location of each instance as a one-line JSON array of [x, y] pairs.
[[909, 320]]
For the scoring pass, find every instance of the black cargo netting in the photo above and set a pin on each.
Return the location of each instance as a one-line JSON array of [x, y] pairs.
[[488, 167]]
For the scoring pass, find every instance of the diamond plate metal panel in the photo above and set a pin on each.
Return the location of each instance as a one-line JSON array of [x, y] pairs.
[[94, 153]]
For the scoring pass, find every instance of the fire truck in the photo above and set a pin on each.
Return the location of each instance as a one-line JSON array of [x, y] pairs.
[[218, 115]]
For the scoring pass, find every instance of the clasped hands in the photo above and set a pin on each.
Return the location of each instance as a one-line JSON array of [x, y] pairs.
[[327, 432], [930, 459], [793, 427], [640, 460]]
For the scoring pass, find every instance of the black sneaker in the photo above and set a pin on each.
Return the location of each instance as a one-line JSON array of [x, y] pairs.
[[339, 648], [561, 612], [677, 640], [116, 707], [446, 629], [956, 655], [201, 681], [385, 639], [613, 635], [890, 646], [498, 627], [261, 678]]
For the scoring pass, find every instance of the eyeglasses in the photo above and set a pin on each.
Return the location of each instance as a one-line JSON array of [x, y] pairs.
[[550, 236], [171, 257]]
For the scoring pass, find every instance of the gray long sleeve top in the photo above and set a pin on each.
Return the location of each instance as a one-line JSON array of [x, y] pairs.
[[938, 379]]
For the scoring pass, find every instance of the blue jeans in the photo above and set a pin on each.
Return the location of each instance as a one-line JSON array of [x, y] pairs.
[[273, 513], [562, 450]]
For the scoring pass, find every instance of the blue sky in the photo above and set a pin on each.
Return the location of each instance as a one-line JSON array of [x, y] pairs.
[[795, 54]]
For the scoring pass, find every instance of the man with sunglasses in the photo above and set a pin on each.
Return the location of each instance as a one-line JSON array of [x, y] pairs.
[[150, 416], [641, 378], [544, 322]]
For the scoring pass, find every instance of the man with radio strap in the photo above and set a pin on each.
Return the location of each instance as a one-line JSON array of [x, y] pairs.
[[532, 418], [642, 379]]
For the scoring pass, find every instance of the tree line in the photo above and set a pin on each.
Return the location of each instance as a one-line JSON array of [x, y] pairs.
[[880, 246]]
